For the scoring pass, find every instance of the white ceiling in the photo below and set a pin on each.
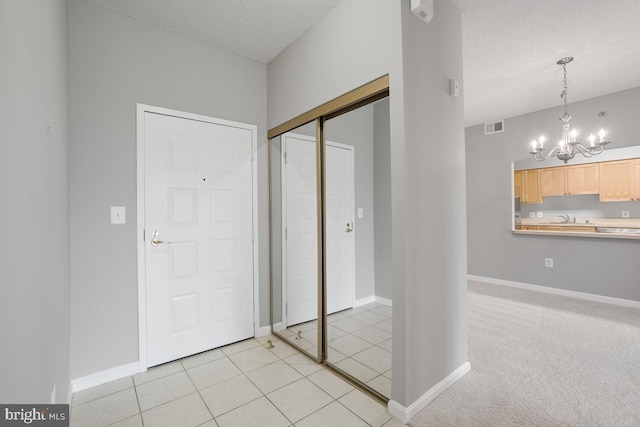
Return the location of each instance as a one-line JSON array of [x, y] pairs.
[[510, 47]]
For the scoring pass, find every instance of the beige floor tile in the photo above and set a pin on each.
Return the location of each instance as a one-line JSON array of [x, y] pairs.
[[306, 326], [357, 370], [353, 311], [164, 390], [240, 346], [329, 382], [156, 372], [135, 421], [349, 344], [254, 358], [271, 377], [366, 408], [260, 412], [333, 332], [383, 311], [374, 335], [387, 345], [229, 394], [299, 399], [375, 358], [334, 356], [106, 410], [333, 414], [371, 306], [382, 385], [303, 364], [336, 316], [350, 324], [369, 318], [202, 358], [283, 350], [97, 392], [213, 373], [393, 423], [211, 423], [187, 411], [388, 374], [385, 325]]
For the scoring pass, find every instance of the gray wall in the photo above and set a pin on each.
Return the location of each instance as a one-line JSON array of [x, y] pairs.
[[433, 330], [382, 198], [34, 189], [116, 62], [598, 266]]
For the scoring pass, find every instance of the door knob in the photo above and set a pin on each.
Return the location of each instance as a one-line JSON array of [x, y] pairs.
[[155, 241], [349, 228]]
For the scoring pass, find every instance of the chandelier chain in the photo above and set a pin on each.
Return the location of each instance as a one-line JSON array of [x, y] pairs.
[[563, 95]]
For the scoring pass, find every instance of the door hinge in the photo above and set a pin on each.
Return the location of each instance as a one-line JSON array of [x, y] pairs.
[[144, 235], [285, 157], [286, 233], [286, 308]]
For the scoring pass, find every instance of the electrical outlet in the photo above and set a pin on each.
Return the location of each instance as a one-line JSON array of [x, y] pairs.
[[625, 214], [548, 262], [532, 214], [540, 214]]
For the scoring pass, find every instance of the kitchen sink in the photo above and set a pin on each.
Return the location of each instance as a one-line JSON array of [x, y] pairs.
[[618, 230]]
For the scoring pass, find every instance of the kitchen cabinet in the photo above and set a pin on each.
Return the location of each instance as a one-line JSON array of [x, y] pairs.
[[530, 191], [620, 180], [517, 184], [583, 179], [554, 181]]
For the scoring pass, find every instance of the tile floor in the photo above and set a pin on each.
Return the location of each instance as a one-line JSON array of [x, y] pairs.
[[359, 343], [243, 384]]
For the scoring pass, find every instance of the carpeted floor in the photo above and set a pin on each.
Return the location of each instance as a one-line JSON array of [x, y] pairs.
[[543, 360]]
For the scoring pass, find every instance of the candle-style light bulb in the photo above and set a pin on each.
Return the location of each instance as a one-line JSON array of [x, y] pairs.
[[541, 139], [561, 145], [574, 133], [592, 140], [601, 134], [534, 145]]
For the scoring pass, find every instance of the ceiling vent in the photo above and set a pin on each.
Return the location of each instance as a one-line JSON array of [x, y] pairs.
[[495, 127]]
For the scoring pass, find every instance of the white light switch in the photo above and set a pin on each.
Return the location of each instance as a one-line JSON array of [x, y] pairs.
[[117, 215], [540, 214], [360, 213]]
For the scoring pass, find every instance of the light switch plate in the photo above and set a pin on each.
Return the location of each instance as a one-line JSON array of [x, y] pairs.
[[117, 215], [625, 214], [540, 214], [532, 214]]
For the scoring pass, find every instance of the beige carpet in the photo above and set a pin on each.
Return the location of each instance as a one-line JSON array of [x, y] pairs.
[[543, 360]]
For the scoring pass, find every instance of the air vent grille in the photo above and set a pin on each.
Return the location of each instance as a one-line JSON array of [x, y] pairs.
[[495, 127]]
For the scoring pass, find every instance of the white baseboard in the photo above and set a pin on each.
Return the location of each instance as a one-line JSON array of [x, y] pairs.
[[70, 393], [105, 376], [404, 414], [383, 301], [556, 291], [262, 331], [364, 301]]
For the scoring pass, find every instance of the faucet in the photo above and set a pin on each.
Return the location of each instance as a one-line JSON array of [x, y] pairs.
[[565, 218]]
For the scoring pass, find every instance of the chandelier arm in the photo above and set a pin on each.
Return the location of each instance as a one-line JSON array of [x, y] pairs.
[[585, 151]]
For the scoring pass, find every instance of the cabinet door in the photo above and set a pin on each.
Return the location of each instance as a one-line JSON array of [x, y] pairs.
[[583, 179], [618, 181], [517, 184], [554, 181], [531, 187], [637, 178]]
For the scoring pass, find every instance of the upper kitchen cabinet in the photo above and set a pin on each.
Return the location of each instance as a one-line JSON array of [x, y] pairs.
[[620, 180], [530, 192], [583, 179], [554, 181], [517, 184]]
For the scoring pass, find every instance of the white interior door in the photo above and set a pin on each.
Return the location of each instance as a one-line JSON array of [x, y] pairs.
[[300, 225], [199, 202]]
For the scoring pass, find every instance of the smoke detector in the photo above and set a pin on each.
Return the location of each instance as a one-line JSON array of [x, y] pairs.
[[423, 9]]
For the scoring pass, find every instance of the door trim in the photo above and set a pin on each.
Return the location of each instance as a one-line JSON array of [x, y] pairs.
[[141, 109], [283, 203]]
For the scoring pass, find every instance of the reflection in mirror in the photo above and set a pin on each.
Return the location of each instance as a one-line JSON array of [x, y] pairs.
[[294, 238], [358, 251], [585, 196]]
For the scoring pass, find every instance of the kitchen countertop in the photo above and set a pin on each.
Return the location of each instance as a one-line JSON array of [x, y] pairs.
[[581, 222]]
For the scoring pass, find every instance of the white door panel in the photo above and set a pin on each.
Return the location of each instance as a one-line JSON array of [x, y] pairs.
[[199, 198], [300, 220]]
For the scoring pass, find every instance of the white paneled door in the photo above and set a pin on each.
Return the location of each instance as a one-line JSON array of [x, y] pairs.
[[300, 264], [198, 219]]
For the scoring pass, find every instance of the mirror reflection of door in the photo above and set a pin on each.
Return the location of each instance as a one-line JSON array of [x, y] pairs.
[[300, 228]]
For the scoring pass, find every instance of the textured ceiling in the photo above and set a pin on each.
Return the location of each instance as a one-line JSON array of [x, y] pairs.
[[510, 47], [256, 29]]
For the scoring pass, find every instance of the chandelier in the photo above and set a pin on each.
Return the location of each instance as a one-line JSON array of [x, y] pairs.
[[569, 145]]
